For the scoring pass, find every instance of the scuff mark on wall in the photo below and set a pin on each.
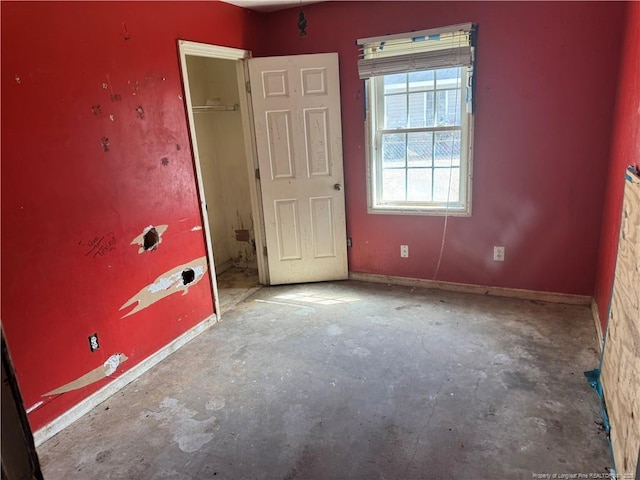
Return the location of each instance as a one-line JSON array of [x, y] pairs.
[[105, 85], [111, 117], [140, 112], [104, 141], [175, 280], [116, 97], [96, 110], [125, 32], [105, 370], [164, 161], [18, 80], [148, 234], [196, 228]]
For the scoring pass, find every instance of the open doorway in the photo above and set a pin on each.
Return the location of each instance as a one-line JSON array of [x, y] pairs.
[[219, 120]]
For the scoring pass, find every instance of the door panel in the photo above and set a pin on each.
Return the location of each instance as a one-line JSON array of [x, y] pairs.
[[296, 104]]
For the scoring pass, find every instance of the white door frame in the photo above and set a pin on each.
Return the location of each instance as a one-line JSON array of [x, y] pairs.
[[225, 53]]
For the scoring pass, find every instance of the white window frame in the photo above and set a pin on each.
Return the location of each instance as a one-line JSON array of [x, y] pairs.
[[374, 128]]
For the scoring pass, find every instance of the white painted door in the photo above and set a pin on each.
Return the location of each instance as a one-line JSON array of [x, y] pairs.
[[296, 106]]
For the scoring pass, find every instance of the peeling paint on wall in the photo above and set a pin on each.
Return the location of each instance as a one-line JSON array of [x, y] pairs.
[[146, 237], [105, 370], [34, 406], [175, 280], [196, 228]]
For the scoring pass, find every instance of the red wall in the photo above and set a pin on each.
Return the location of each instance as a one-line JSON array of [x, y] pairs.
[[545, 92], [625, 151], [60, 189]]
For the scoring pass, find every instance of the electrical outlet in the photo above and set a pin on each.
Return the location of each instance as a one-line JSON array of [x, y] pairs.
[[498, 254], [93, 342], [404, 251]]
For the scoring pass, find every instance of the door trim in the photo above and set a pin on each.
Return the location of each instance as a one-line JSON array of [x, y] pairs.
[[185, 48]]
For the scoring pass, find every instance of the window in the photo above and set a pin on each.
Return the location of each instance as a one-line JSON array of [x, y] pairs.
[[420, 121]]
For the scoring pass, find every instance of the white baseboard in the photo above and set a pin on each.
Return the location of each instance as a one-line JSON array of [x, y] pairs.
[[596, 319], [85, 406], [477, 289]]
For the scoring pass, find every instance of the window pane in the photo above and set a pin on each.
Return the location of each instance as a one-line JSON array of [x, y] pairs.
[[421, 109], [395, 111], [447, 148], [449, 76], [394, 148], [421, 80], [420, 149], [441, 186], [393, 185], [396, 83], [448, 107], [419, 184]]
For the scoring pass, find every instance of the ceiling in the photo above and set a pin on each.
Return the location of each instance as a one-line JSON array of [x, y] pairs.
[[270, 5]]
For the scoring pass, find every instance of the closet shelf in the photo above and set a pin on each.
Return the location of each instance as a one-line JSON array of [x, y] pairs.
[[216, 108]]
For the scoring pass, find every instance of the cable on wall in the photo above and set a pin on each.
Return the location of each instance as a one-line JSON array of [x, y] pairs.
[[446, 210]]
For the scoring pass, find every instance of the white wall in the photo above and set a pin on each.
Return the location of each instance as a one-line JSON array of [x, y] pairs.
[[223, 161]]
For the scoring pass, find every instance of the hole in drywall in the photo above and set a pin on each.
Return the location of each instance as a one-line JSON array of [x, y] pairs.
[[151, 239], [188, 276]]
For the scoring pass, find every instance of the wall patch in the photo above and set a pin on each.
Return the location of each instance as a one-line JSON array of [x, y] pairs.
[[175, 280], [105, 370]]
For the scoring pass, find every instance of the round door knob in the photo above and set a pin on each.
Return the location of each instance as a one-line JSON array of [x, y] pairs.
[[337, 186]]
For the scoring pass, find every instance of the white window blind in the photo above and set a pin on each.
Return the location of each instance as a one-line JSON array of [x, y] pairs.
[[415, 51]]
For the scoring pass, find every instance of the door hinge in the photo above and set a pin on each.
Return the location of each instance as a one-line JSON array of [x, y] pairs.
[[248, 86], [264, 250]]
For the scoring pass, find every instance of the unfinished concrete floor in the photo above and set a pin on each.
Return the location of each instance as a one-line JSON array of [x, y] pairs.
[[350, 380]]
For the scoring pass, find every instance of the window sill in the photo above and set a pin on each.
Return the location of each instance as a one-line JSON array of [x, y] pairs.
[[424, 211]]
